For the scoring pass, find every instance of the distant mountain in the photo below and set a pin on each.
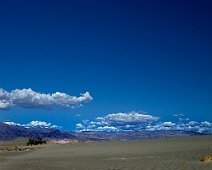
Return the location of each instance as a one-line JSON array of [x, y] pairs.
[[10, 132], [135, 135]]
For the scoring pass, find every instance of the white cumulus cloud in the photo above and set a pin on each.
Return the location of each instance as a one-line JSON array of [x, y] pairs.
[[38, 123], [206, 123], [129, 118], [117, 121], [134, 121], [34, 123], [168, 124], [80, 126], [5, 101], [107, 128], [27, 98], [11, 123], [192, 123]]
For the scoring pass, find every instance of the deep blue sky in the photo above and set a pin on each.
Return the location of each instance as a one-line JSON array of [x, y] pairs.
[[154, 56]]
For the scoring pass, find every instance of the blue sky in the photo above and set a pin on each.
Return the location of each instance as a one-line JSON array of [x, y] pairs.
[[136, 59]]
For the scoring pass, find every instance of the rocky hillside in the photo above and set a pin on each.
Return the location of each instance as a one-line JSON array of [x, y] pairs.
[[9, 132]]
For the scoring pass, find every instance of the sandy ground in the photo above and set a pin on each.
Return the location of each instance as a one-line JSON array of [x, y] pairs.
[[182, 153]]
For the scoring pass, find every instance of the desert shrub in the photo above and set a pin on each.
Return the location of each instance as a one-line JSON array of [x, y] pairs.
[[15, 147], [38, 141], [206, 158], [7, 149], [74, 141]]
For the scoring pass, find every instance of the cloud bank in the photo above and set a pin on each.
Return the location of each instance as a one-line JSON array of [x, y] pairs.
[[126, 118], [117, 122], [134, 121], [34, 123], [27, 98]]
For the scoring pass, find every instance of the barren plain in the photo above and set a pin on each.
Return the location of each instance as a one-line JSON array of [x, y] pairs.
[[169, 153]]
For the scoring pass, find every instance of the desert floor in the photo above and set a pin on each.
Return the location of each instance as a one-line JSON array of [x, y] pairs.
[[182, 153]]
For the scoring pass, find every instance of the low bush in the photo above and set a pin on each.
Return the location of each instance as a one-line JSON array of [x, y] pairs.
[[38, 141], [7, 149], [15, 147]]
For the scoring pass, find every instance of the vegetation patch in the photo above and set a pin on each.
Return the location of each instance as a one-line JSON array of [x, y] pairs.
[[206, 158], [38, 141]]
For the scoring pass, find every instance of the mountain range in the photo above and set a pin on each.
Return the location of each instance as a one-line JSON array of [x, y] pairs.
[[11, 132]]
